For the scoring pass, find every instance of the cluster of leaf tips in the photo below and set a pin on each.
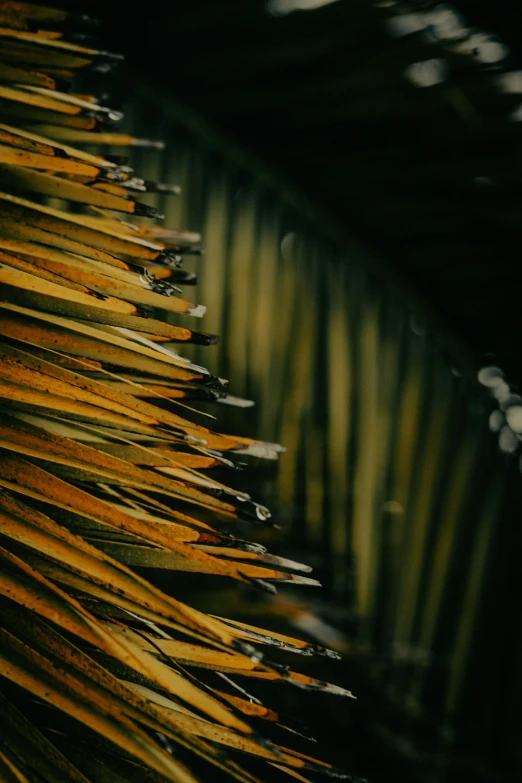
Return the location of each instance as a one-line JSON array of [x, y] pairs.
[[99, 669]]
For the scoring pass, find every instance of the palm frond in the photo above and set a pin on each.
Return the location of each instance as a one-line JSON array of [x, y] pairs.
[[104, 469]]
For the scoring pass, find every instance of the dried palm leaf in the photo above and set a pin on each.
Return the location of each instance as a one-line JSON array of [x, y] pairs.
[[97, 481]]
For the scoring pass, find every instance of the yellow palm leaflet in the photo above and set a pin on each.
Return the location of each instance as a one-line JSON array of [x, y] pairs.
[[107, 396], [156, 455], [249, 707], [30, 249], [44, 51], [112, 314], [15, 324], [30, 277], [156, 605], [84, 633], [13, 138], [45, 145], [28, 114], [107, 138], [110, 281], [28, 52], [70, 336], [108, 187], [89, 230], [281, 640], [12, 156], [191, 722], [164, 535], [28, 267], [103, 479], [109, 227], [60, 73], [101, 684], [230, 662], [73, 100], [189, 492], [55, 543], [162, 232], [194, 531], [140, 703], [14, 74], [123, 292], [84, 456], [29, 180], [170, 391], [21, 368], [45, 41], [27, 233], [34, 672], [170, 712], [49, 35], [10, 772], [33, 99], [63, 360], [146, 557], [28, 478], [90, 97]]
